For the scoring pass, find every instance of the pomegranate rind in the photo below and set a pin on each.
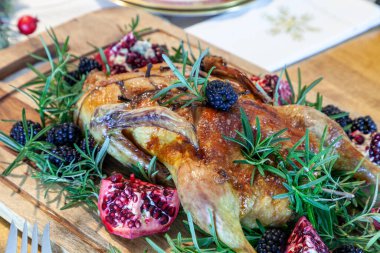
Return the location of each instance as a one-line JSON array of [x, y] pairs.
[[148, 225], [305, 239]]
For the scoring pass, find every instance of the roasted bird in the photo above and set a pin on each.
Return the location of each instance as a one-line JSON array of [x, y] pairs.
[[189, 143]]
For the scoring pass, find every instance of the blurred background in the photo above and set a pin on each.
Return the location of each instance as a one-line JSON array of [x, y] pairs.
[[269, 33]]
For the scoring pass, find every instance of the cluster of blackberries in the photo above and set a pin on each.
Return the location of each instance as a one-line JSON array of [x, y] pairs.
[[364, 124], [86, 65], [359, 127], [220, 95], [62, 136], [273, 241]]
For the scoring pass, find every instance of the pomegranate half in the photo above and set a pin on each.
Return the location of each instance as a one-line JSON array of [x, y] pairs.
[[132, 208], [305, 239]]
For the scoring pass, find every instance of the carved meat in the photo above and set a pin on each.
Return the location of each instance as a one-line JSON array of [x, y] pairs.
[[189, 144]]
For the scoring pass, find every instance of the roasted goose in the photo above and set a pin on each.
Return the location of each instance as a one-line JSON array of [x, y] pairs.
[[189, 144]]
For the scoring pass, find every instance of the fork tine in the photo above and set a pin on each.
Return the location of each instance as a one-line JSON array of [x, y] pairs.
[[35, 239], [12, 240], [46, 247], [24, 241]]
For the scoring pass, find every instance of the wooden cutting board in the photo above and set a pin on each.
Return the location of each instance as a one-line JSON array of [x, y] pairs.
[[76, 230]]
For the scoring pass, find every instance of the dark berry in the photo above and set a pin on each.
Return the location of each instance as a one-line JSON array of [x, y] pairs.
[[364, 124], [67, 154], [18, 131], [348, 249], [220, 95], [64, 134], [91, 144], [88, 64], [72, 77], [273, 241], [331, 110], [374, 149]]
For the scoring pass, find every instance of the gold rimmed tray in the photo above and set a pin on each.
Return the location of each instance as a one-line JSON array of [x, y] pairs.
[[186, 7]]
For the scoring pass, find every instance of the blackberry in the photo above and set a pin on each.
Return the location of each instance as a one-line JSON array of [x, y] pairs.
[[72, 77], [88, 64], [331, 110], [220, 95], [91, 144], [374, 149], [18, 131], [64, 134], [364, 124], [348, 249], [68, 155], [273, 241]]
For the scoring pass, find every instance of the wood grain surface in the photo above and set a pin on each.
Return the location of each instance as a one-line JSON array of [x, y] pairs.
[[351, 81]]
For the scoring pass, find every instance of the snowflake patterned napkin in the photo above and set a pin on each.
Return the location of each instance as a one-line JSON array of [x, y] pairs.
[[281, 32]]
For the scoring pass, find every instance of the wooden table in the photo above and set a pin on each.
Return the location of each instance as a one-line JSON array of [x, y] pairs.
[[352, 66]]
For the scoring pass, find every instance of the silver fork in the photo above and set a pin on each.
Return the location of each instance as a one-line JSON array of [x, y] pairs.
[[12, 240]]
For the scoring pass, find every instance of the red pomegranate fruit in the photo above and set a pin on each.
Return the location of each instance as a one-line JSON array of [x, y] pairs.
[[305, 239], [132, 208], [269, 84], [375, 222], [27, 24]]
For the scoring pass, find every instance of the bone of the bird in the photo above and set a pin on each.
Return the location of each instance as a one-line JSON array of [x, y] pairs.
[[155, 116], [122, 149]]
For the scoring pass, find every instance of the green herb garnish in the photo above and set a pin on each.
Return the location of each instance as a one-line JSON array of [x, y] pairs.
[[194, 85], [258, 151], [132, 27]]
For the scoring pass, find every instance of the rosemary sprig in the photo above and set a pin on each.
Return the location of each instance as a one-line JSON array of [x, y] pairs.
[[79, 180], [207, 243], [258, 151], [180, 51], [195, 84], [132, 27], [146, 174], [51, 93], [330, 199], [303, 90]]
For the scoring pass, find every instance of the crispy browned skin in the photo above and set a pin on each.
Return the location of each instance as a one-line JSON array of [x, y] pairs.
[[189, 143]]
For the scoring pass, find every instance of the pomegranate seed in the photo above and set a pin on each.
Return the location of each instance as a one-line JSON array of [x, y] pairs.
[[131, 224], [359, 139], [164, 219], [157, 213]]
